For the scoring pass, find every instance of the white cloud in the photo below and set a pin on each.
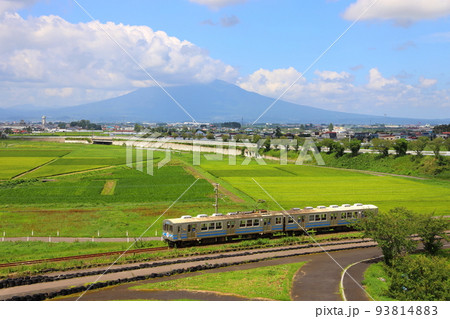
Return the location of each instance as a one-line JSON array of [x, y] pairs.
[[402, 12], [378, 82], [426, 83], [217, 4], [48, 56], [333, 76], [14, 5], [337, 91]]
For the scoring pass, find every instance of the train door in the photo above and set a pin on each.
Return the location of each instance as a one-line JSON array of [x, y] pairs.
[[267, 224], [191, 230]]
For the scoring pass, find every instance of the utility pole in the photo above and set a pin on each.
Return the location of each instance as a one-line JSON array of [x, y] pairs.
[[216, 205]]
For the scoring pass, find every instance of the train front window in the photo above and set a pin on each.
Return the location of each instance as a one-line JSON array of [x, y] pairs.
[[170, 229]]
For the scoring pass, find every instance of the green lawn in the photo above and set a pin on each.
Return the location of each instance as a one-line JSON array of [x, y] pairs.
[[300, 186], [272, 282]]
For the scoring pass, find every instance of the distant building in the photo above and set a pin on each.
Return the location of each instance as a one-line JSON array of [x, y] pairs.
[[44, 120]]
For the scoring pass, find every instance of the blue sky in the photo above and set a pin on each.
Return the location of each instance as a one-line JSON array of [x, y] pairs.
[[393, 61]]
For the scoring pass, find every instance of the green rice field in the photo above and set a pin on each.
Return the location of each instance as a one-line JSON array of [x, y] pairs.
[[300, 186], [65, 195]]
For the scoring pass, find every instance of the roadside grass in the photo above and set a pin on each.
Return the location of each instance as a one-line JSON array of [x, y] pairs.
[[271, 282], [376, 282]]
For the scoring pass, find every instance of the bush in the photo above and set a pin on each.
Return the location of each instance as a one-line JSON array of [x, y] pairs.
[[420, 278]]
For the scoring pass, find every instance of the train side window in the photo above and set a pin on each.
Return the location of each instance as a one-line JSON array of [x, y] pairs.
[[301, 219], [290, 220], [324, 216], [256, 222], [317, 217], [189, 228], [311, 218], [232, 224], [363, 214], [277, 220], [211, 226], [228, 225], [204, 227], [219, 225], [242, 223], [249, 223], [355, 214]]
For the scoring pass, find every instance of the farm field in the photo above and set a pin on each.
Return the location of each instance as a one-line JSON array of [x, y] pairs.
[[76, 204], [271, 282], [300, 186]]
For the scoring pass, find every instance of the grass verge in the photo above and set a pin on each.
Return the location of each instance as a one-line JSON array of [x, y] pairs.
[[271, 282]]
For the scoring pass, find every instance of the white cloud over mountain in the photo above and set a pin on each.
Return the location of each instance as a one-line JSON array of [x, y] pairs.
[[337, 91], [217, 4], [53, 57], [402, 12]]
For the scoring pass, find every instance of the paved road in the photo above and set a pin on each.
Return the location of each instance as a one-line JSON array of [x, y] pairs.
[[325, 267]]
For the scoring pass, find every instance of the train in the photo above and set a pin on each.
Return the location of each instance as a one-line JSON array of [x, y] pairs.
[[220, 228]]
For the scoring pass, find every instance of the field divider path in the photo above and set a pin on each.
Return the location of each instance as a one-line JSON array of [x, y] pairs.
[[35, 168]]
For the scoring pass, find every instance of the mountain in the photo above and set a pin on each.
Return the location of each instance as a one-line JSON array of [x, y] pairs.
[[217, 101]]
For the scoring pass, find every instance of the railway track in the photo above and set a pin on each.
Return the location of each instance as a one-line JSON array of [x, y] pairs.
[[87, 256]]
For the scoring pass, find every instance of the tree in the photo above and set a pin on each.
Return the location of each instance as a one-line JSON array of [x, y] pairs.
[[210, 136], [400, 147], [62, 125], [256, 138], [278, 133], [338, 148], [382, 146], [391, 230], [354, 146], [328, 143], [419, 145], [420, 278], [225, 137], [430, 228], [266, 145], [447, 143], [330, 127], [137, 128], [436, 145], [8, 130], [29, 129]]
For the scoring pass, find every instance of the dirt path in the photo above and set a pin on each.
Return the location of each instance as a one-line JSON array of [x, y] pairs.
[[191, 170], [34, 169]]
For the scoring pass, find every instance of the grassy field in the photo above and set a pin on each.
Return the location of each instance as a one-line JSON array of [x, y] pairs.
[[299, 186], [272, 282]]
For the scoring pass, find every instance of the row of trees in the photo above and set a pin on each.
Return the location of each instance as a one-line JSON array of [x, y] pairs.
[[413, 277]]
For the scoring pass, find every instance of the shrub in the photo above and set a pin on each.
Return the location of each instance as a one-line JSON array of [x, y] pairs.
[[420, 278]]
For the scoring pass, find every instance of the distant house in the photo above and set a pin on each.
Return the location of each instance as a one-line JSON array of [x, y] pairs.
[[332, 135]]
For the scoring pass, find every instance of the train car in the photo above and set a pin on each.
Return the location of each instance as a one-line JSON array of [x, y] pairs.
[[216, 228]]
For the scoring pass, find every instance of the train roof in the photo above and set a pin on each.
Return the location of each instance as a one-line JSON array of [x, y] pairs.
[[264, 213]]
